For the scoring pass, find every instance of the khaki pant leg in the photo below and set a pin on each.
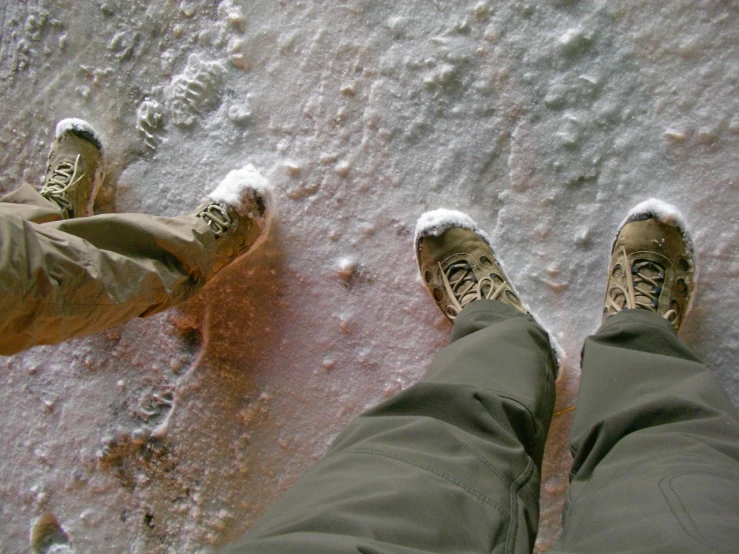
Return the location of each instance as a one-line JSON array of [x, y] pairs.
[[68, 278], [450, 465], [27, 203], [656, 447]]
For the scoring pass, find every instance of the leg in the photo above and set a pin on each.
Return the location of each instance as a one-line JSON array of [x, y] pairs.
[[453, 463], [27, 203], [655, 439], [71, 277], [68, 278], [64, 274], [450, 465], [656, 446]]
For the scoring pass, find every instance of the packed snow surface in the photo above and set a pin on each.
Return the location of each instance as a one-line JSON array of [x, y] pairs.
[[545, 122]]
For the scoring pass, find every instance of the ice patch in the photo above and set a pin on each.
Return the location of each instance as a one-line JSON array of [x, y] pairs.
[[78, 126]]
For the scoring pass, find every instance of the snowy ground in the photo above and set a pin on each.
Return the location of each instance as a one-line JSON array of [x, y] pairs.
[[545, 121]]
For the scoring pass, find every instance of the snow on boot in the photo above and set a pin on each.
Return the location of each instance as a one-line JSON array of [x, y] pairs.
[[239, 212], [457, 263], [652, 264], [75, 168]]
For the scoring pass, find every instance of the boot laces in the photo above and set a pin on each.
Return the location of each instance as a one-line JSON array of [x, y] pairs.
[[60, 181], [644, 282], [217, 218], [462, 286]]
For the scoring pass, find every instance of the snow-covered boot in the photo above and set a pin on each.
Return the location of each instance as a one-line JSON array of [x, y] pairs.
[[652, 264], [457, 263], [239, 212], [75, 168]]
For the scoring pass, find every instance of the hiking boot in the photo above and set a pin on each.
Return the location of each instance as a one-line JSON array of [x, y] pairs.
[[652, 266], [457, 263], [75, 168], [239, 213]]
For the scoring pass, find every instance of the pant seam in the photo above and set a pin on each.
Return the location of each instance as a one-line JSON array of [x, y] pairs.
[[442, 474], [538, 428], [490, 467], [482, 460], [503, 423], [516, 486]]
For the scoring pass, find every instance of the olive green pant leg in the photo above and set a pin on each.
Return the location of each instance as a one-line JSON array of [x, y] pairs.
[[450, 465], [656, 447], [66, 278]]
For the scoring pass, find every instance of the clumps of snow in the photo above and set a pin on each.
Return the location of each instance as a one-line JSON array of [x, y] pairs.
[[347, 268], [240, 186], [79, 127], [240, 189], [149, 120], [574, 41], [663, 212], [292, 168], [435, 222], [659, 209], [233, 14], [240, 114]]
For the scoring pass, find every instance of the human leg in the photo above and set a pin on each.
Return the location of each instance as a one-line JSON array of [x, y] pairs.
[[656, 446], [63, 274], [655, 439], [55, 284], [451, 464], [68, 278], [26, 203]]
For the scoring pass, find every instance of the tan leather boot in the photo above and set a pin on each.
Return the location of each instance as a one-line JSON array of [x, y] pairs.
[[652, 266], [457, 263], [75, 168], [239, 212]]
